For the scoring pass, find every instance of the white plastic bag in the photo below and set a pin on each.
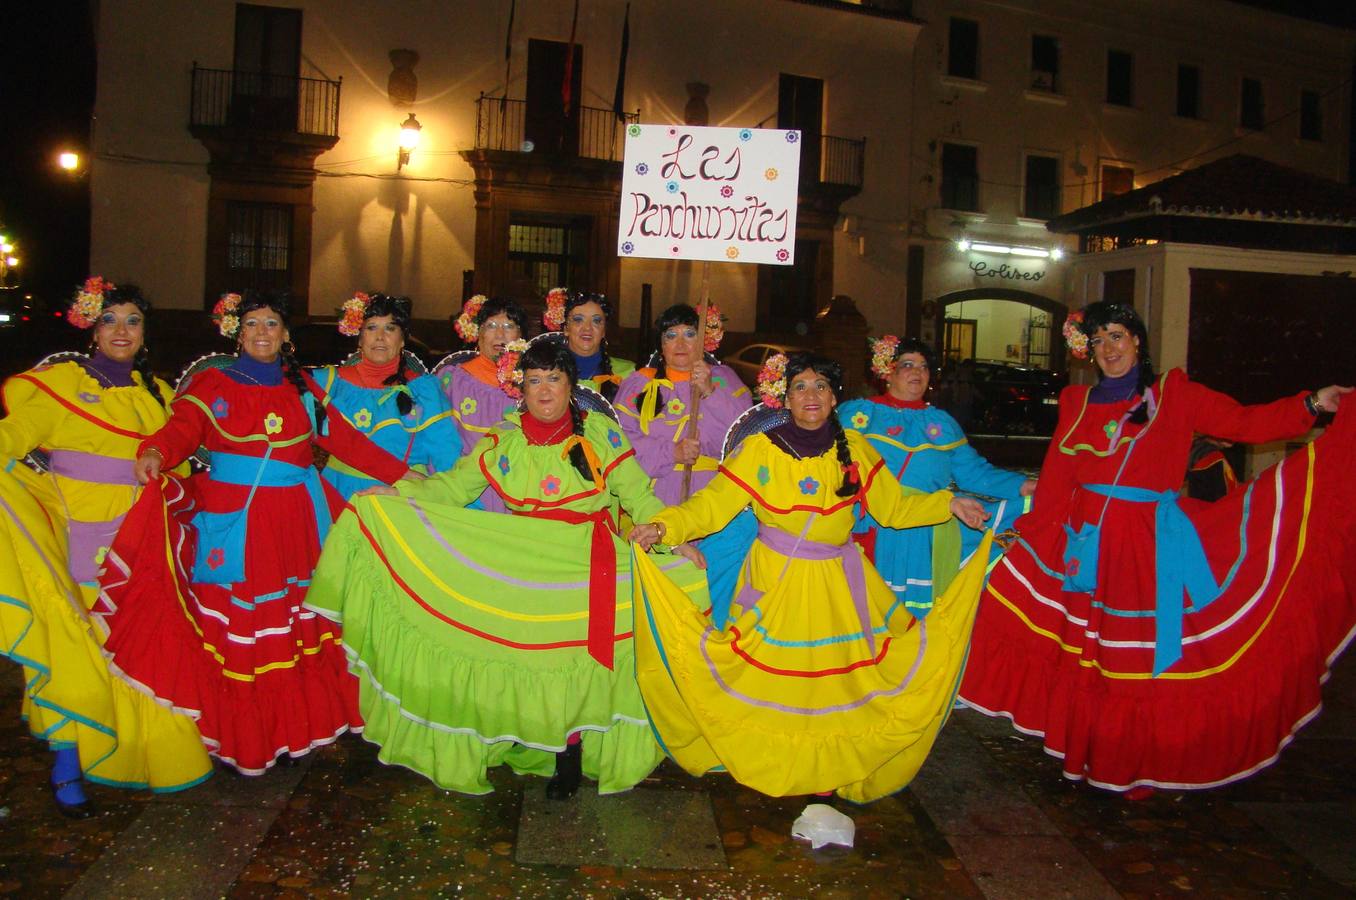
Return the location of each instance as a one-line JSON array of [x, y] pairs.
[[820, 824]]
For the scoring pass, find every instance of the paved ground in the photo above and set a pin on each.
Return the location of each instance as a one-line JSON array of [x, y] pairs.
[[988, 817]]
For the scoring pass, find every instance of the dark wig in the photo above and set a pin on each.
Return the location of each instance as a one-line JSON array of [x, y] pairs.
[[552, 353], [1099, 315], [280, 303], [496, 305], [141, 363], [678, 314], [399, 309], [797, 363], [579, 298], [923, 349]]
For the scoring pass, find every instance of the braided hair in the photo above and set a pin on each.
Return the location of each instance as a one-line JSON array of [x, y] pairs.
[[141, 363], [678, 314], [579, 298], [280, 303], [1103, 313], [399, 309], [832, 372], [555, 354]]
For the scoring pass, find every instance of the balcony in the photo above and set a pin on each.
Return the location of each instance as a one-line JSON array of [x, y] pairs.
[[253, 105], [841, 163], [513, 126]]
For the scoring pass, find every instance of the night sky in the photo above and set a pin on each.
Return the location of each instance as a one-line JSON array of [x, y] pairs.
[[47, 73]]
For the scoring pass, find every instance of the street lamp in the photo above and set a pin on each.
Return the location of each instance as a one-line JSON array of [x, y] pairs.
[[68, 160], [409, 139]]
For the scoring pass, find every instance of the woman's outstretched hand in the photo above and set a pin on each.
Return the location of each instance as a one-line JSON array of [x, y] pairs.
[[970, 511], [691, 554], [646, 536], [1330, 397]]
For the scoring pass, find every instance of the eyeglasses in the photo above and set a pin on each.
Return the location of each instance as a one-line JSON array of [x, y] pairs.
[[907, 364], [500, 326]]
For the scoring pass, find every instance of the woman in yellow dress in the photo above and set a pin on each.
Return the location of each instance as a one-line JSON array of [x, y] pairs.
[[817, 678], [88, 416]]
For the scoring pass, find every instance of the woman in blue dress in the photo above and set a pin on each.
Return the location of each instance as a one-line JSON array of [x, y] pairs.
[[402, 411], [926, 450]]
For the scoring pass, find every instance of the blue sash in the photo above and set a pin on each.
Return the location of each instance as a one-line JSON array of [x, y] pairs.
[[1181, 567], [220, 557]]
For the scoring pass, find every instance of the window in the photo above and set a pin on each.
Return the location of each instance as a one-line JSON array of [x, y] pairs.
[[1120, 78], [960, 177], [1251, 111], [545, 252], [267, 60], [259, 246], [962, 49], [1044, 63], [1041, 193], [1117, 180], [551, 124], [1188, 92], [1311, 116], [800, 106]]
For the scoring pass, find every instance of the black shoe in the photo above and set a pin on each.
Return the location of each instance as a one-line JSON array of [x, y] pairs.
[[569, 770], [82, 810]]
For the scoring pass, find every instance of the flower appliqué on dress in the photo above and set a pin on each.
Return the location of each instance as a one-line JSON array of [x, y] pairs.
[[933, 431], [859, 420], [675, 407], [614, 439], [1110, 429], [764, 476], [216, 559], [894, 430], [808, 486], [220, 408], [468, 406], [503, 465], [273, 422], [416, 412], [717, 382], [361, 419], [550, 485], [88, 397]]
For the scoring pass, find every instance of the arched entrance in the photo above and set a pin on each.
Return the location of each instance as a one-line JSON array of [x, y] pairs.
[[1003, 324]]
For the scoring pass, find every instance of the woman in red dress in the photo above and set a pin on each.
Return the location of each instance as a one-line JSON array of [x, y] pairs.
[[1188, 651], [203, 588]]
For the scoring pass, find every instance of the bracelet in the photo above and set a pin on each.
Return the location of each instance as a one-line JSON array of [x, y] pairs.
[[1311, 404], [156, 452]]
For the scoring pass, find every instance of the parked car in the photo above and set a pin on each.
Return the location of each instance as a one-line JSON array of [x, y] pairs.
[[991, 396], [748, 361]]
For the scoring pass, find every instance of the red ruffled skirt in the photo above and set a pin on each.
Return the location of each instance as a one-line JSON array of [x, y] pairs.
[[262, 675], [1077, 669]]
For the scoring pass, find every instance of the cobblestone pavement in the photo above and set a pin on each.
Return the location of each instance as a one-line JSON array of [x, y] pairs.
[[989, 816]]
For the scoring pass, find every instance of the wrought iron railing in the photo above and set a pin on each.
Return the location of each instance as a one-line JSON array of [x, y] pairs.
[[588, 132], [841, 161], [225, 98]]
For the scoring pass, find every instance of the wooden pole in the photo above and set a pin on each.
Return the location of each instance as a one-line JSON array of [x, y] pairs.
[[693, 429]]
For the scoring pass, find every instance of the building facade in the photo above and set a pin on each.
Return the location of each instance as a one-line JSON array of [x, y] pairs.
[[242, 144], [1025, 110]]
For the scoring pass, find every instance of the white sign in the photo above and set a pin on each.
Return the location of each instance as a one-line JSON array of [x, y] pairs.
[[726, 194]]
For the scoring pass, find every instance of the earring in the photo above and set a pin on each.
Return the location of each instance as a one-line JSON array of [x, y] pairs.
[[289, 348]]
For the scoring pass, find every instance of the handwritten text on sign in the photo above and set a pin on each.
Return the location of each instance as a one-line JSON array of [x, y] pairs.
[[725, 194]]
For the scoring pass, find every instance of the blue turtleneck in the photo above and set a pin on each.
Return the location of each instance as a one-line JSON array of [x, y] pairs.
[[588, 365], [248, 370], [1114, 390], [111, 372]]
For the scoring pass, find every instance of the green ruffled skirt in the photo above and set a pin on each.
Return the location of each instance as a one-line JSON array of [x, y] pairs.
[[468, 632]]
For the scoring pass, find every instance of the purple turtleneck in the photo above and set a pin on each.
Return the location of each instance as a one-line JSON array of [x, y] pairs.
[[109, 372], [804, 443], [248, 370], [1114, 390]]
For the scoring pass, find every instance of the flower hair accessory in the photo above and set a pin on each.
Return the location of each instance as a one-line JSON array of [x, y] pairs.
[[89, 302], [715, 328], [1074, 337], [883, 354], [351, 314], [465, 326], [772, 381], [554, 317], [506, 369], [225, 315]]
